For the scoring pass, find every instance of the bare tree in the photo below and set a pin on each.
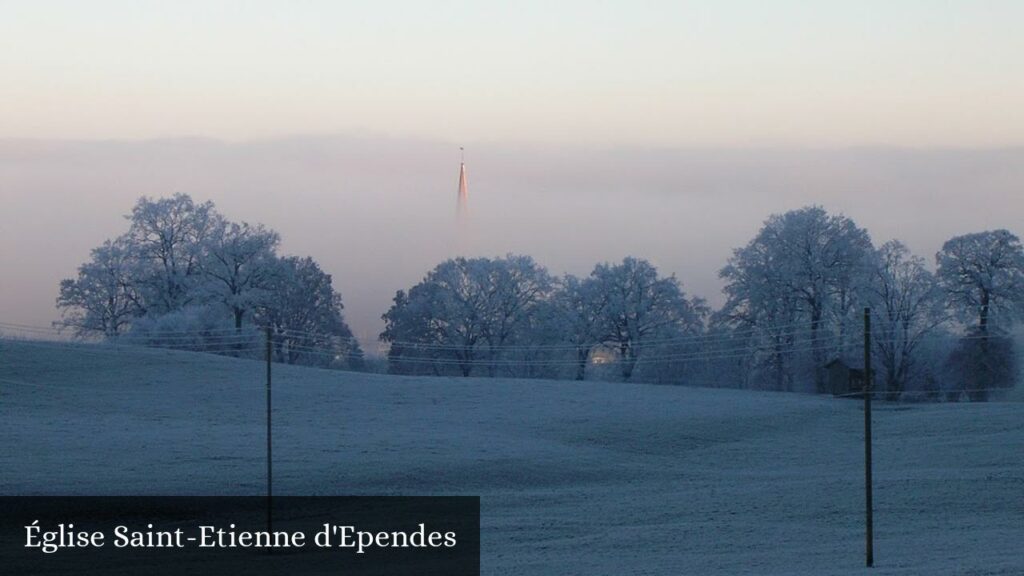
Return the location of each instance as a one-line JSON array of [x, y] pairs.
[[804, 263], [102, 299], [636, 304], [168, 239], [241, 267], [464, 311], [908, 307], [514, 286], [305, 314], [982, 275], [579, 307]]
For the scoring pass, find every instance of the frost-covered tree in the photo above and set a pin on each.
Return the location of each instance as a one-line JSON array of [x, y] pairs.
[[805, 266], [762, 310], [907, 306], [154, 269], [981, 364], [463, 313], [537, 348], [515, 285], [241, 267], [168, 240], [440, 319], [183, 276], [982, 275], [636, 305], [305, 316], [578, 308], [103, 298], [418, 342], [198, 327]]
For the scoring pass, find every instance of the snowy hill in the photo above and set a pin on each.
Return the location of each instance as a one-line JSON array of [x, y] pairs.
[[575, 477]]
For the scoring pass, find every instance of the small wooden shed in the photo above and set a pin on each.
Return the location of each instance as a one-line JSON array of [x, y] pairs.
[[843, 378]]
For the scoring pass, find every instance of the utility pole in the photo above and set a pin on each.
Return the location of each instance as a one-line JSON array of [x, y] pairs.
[[270, 469], [868, 509]]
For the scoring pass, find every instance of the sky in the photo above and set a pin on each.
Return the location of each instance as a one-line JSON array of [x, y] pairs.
[[593, 130], [665, 73]]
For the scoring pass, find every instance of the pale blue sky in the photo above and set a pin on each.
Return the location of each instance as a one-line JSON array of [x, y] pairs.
[[596, 73]]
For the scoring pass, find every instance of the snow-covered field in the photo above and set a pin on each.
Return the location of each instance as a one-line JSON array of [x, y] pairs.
[[575, 477]]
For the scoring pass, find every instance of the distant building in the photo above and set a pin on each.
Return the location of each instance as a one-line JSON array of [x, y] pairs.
[[844, 379]]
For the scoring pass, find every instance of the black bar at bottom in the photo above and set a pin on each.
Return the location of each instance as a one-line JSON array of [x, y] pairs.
[[166, 535]]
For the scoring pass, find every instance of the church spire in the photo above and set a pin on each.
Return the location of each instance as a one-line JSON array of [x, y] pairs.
[[462, 206]]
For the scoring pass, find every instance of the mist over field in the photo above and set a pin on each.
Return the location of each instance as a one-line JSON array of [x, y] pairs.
[[377, 212]]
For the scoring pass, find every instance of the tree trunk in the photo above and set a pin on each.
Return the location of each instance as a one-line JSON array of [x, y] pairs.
[[816, 354], [582, 355], [628, 361], [892, 383], [983, 380], [238, 329], [780, 366], [983, 314], [492, 368]]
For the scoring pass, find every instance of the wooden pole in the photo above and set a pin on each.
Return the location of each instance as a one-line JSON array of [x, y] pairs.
[[270, 461], [868, 508]]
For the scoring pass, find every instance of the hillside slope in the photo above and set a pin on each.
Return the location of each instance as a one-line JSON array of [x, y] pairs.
[[575, 477]]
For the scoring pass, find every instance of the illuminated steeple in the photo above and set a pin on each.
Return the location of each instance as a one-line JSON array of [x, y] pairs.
[[462, 206]]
